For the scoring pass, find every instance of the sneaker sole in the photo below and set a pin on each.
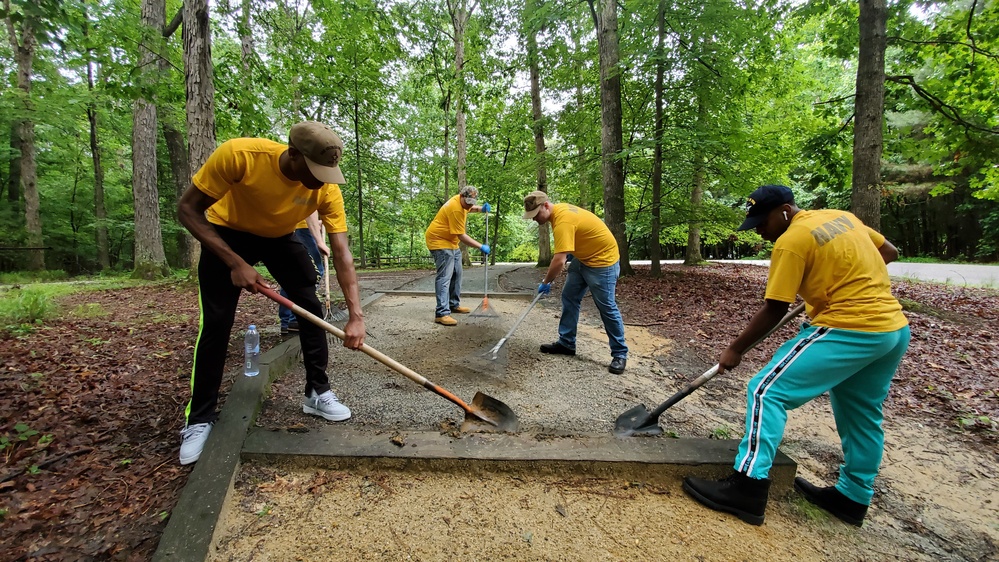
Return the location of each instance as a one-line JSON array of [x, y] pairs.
[[189, 460], [320, 413], [745, 516]]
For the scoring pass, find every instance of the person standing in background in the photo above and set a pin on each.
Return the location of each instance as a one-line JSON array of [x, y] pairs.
[[442, 236], [310, 233]]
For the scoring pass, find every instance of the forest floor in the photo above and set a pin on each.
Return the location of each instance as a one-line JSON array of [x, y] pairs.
[[91, 405]]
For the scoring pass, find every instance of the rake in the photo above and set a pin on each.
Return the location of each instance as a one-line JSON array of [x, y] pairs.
[[485, 310]]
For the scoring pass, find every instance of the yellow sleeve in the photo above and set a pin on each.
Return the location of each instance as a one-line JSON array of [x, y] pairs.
[[331, 210], [222, 169], [876, 237]]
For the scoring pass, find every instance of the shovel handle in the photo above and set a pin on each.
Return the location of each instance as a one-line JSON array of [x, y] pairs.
[[367, 349], [710, 373]]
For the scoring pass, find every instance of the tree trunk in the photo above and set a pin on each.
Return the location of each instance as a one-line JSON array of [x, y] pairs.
[[544, 231], [584, 184], [246, 77], [692, 256], [14, 171], [459, 20], [100, 211], [150, 260], [655, 253], [360, 193], [200, 94], [611, 142], [693, 253], [24, 54], [865, 200], [180, 169], [460, 15]]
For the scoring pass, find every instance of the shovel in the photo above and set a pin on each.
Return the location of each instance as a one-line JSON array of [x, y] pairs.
[[640, 421], [484, 414]]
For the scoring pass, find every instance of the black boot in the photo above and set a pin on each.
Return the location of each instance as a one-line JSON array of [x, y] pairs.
[[833, 501], [740, 495], [556, 348]]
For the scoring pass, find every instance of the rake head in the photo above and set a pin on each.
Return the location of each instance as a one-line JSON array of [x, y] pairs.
[[484, 310]]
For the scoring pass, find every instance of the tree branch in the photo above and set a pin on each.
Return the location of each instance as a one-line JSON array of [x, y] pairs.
[[974, 48], [174, 23], [948, 111], [834, 100], [691, 50]]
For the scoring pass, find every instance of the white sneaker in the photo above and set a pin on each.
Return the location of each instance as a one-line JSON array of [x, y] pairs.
[[193, 439], [326, 405]]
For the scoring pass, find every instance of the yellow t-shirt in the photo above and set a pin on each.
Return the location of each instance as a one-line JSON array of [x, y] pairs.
[[582, 234], [831, 259], [254, 196], [443, 232]]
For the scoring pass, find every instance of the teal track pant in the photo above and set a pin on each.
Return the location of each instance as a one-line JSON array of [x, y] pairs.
[[856, 369]]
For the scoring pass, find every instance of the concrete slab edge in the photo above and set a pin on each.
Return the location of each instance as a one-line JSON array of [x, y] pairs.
[[636, 459], [469, 294]]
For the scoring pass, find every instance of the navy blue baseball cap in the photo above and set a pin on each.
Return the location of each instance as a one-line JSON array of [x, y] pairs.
[[765, 199]]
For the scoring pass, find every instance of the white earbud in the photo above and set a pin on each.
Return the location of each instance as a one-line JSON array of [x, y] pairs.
[[785, 215]]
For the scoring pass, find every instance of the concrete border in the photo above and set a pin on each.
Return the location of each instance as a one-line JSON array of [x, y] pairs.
[[464, 293], [635, 458]]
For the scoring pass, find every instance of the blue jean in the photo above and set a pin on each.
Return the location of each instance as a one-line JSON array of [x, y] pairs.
[[856, 368], [447, 284], [305, 237], [602, 283]]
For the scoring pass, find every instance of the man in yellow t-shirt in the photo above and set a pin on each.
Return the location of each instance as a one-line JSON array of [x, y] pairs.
[[850, 349], [243, 206], [442, 236], [595, 267]]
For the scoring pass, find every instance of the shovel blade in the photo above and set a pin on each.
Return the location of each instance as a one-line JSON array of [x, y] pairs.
[[637, 421], [489, 414]]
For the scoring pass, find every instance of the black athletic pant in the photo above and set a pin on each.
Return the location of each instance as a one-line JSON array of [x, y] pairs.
[[289, 262]]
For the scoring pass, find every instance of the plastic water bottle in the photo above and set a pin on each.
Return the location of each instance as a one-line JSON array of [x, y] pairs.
[[251, 345]]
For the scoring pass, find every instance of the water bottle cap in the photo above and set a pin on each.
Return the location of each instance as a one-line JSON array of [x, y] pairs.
[[253, 326]]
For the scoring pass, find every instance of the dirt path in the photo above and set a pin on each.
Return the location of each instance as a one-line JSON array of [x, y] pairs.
[[935, 500]]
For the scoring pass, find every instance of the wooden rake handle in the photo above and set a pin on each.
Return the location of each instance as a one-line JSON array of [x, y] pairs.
[[367, 349]]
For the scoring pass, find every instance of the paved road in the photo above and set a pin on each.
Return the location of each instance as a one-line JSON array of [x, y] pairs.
[[952, 273]]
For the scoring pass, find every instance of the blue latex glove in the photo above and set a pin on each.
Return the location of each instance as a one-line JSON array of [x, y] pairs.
[[486, 208], [545, 288], [485, 249]]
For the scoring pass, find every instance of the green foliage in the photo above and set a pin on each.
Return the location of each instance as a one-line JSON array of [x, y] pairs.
[[754, 93], [26, 306], [721, 432], [22, 433], [526, 252]]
